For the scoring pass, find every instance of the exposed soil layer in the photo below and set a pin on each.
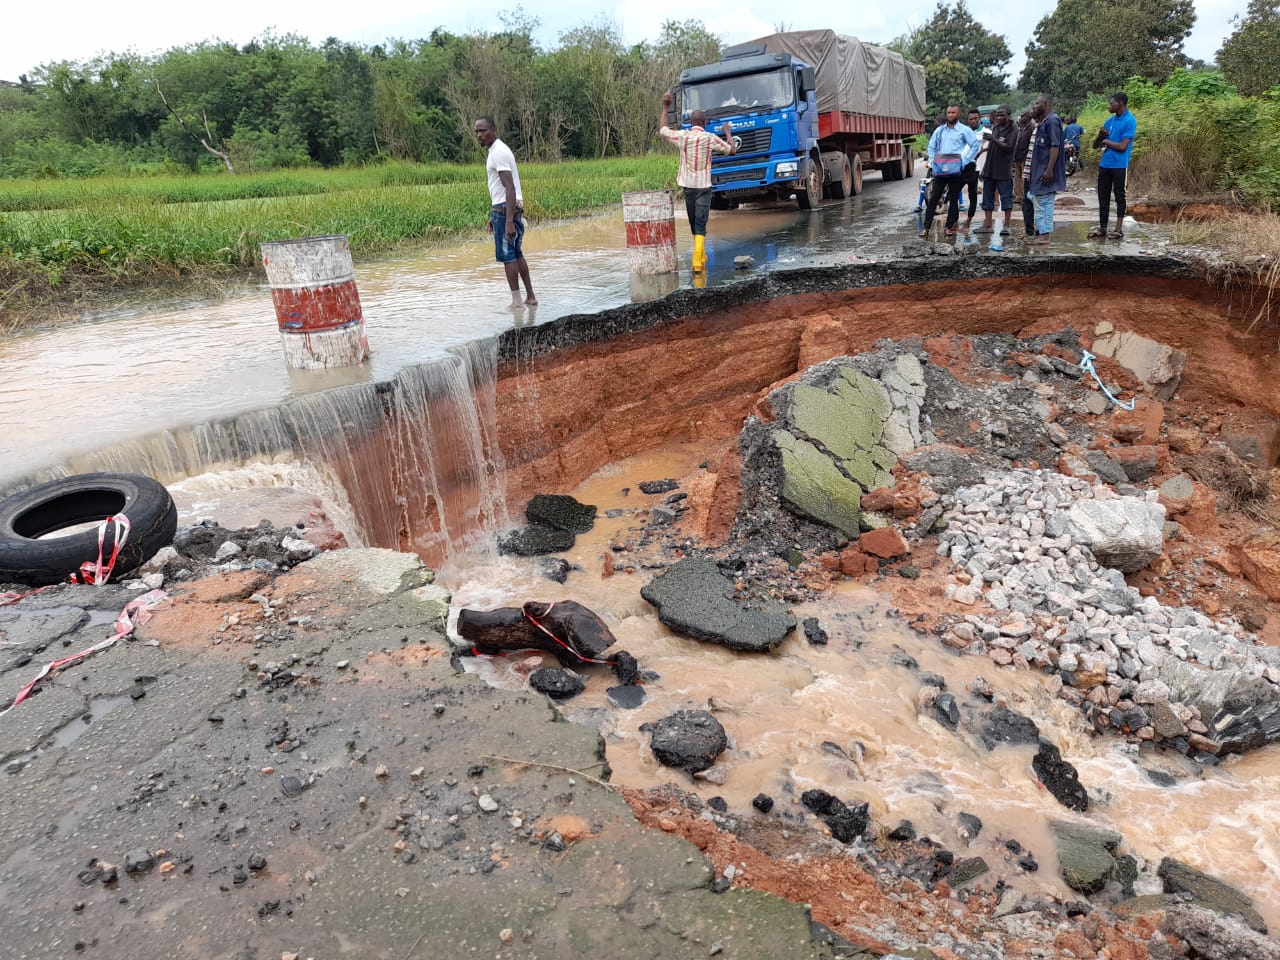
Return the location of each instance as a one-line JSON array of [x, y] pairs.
[[370, 678], [855, 898], [564, 415]]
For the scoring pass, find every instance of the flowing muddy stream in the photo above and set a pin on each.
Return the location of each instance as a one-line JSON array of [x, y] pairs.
[[845, 718]]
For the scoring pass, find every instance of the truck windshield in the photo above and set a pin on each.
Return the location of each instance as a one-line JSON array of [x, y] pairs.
[[749, 93]]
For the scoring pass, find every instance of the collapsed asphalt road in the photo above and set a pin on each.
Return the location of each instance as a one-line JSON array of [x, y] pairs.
[[320, 782]]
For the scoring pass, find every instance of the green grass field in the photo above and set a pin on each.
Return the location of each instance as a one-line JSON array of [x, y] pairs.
[[129, 228]]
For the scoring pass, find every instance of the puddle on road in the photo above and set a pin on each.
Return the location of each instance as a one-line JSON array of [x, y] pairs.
[[68, 733], [844, 718]]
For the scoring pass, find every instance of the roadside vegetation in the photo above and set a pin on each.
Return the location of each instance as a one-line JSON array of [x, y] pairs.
[[62, 242], [1198, 139], [1205, 148]]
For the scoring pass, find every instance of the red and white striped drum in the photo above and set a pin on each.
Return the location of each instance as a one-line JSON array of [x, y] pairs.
[[313, 287], [650, 219]]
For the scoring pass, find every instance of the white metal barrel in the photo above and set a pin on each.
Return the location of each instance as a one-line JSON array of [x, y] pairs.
[[313, 287], [650, 219]]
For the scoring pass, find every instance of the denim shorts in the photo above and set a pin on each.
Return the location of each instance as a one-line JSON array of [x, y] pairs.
[[506, 251], [989, 189]]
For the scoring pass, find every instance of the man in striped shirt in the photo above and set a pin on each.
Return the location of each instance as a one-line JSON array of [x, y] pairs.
[[694, 177]]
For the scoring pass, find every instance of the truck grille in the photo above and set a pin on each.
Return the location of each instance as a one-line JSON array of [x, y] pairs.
[[732, 176], [754, 141]]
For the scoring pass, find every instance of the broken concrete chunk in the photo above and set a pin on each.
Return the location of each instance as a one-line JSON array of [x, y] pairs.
[[1209, 892], [694, 599], [1086, 855], [814, 487], [560, 512], [689, 740], [1158, 366], [434, 600], [1125, 533]]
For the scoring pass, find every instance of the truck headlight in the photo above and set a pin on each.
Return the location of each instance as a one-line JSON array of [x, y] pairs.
[[788, 169]]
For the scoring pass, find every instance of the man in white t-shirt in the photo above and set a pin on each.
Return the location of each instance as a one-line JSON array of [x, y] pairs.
[[506, 213]]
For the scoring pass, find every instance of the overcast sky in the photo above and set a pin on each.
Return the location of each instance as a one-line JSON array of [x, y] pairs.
[[81, 29]]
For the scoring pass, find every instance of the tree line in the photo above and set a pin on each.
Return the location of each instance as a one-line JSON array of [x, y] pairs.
[[1085, 47], [282, 101]]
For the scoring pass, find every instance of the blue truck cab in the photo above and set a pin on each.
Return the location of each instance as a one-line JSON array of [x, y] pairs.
[[769, 101], [810, 110]]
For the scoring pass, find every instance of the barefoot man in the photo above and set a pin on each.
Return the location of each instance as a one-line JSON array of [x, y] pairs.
[[506, 216]]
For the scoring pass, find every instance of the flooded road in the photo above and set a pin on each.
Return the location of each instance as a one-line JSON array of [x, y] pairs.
[[141, 369], [135, 371]]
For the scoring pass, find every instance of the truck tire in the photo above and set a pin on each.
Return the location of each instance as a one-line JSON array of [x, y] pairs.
[[908, 162], [894, 170], [811, 196], [28, 516], [857, 174], [842, 188]]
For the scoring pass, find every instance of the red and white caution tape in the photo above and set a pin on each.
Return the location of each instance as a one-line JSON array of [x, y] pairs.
[[89, 572], [135, 613], [96, 573]]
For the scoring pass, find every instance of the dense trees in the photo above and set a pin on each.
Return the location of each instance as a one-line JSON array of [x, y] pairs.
[[281, 101], [963, 60], [1086, 46], [1250, 57]]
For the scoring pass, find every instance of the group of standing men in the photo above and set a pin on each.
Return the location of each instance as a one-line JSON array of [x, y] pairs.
[[1023, 161]]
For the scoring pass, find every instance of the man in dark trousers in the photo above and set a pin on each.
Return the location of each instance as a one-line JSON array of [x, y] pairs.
[[694, 174], [1115, 140], [997, 172], [1022, 170], [953, 142], [1048, 168], [973, 170]]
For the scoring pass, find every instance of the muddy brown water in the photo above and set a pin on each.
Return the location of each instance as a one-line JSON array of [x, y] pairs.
[[147, 367], [845, 718]]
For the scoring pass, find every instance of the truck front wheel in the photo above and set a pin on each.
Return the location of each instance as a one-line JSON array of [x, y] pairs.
[[811, 195]]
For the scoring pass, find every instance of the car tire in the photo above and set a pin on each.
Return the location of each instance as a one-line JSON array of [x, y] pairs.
[[29, 556]]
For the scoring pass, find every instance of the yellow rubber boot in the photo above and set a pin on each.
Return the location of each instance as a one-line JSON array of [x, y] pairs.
[[699, 254]]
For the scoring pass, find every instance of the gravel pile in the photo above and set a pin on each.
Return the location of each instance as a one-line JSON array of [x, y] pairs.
[[1056, 608]]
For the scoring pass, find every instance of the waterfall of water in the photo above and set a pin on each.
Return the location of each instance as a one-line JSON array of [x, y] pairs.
[[416, 457], [445, 449]]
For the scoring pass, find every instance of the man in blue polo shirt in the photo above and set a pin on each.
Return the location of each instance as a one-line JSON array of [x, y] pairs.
[[1115, 140], [1048, 168], [952, 139]]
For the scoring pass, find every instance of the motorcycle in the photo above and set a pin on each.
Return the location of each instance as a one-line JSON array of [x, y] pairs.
[[925, 182], [1074, 163]]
